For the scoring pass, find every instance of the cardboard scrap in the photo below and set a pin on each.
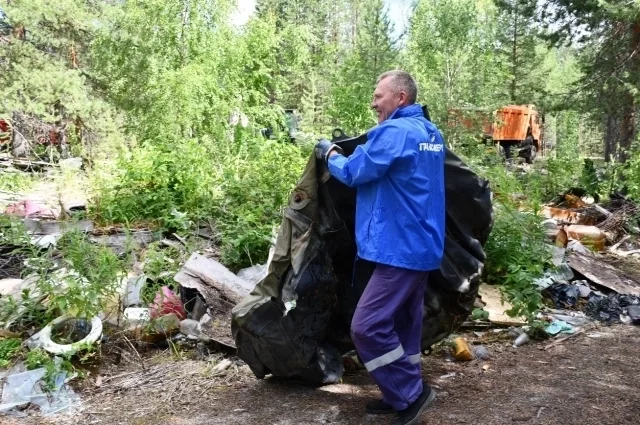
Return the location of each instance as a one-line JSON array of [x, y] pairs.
[[496, 307]]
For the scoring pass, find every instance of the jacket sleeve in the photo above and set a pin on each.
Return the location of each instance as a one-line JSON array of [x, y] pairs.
[[369, 162]]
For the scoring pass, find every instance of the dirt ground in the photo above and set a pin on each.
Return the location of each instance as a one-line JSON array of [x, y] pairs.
[[593, 378]]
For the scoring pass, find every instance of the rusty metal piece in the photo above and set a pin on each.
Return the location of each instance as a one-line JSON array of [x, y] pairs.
[[567, 216], [562, 239], [573, 201], [513, 122]]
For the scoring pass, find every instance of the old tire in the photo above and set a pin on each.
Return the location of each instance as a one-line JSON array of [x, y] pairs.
[[19, 145]]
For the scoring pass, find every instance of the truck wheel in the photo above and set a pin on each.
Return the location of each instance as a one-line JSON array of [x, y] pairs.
[[531, 151], [506, 147], [534, 153]]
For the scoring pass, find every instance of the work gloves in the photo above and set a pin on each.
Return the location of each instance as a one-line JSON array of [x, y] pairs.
[[324, 147]]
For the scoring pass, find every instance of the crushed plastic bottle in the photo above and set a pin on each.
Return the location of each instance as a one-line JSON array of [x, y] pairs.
[[481, 352], [521, 340]]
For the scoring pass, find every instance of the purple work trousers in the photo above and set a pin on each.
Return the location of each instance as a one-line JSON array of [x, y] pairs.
[[386, 330]]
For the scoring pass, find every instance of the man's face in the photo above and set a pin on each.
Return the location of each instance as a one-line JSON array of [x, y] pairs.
[[386, 100]]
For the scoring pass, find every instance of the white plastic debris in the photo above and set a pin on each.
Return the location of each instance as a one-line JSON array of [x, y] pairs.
[[521, 340], [253, 274], [135, 316], [43, 340], [26, 387], [193, 330], [577, 246], [45, 241]]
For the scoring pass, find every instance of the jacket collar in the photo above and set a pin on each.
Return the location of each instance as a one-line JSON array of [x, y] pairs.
[[414, 110]]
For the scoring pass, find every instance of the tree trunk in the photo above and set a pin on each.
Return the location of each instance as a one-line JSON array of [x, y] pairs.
[[628, 124], [610, 136], [628, 127], [514, 57]]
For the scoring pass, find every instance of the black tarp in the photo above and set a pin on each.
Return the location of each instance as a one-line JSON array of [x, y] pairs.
[[296, 322]]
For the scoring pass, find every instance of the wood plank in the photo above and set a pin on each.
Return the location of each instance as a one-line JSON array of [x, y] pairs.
[[200, 271], [599, 272]]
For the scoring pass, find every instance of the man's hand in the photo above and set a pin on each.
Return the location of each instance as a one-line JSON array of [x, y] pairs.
[[324, 149]]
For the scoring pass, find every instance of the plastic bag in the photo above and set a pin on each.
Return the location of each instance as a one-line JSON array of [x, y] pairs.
[[166, 302]]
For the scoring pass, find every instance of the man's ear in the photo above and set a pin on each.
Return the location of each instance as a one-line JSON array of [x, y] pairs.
[[402, 98]]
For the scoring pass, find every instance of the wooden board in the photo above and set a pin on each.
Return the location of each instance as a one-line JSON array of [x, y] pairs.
[[603, 274]]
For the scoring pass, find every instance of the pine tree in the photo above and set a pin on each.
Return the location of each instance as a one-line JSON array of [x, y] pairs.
[[451, 52], [518, 45], [374, 53], [609, 34], [45, 70]]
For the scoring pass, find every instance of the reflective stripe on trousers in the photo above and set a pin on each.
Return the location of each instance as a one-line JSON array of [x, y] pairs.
[[386, 326], [391, 357]]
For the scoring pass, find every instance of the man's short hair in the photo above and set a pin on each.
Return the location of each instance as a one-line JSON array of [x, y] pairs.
[[402, 81]]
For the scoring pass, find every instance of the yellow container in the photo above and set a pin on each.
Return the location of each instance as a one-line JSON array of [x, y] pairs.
[[462, 350]]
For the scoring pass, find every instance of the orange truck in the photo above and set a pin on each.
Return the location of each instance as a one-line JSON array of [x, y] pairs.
[[516, 129]]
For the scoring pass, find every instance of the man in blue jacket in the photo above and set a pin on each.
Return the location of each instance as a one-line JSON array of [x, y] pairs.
[[400, 221]]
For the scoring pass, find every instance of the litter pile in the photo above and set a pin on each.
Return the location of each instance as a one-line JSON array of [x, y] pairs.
[[595, 279], [198, 314], [597, 255]]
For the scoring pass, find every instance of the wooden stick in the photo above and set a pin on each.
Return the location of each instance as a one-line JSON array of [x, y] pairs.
[[602, 210]]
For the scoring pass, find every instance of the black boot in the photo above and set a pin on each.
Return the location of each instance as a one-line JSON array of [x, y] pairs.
[[378, 407], [412, 414]]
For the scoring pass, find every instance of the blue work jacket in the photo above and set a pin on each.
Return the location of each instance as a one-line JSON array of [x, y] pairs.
[[399, 177]]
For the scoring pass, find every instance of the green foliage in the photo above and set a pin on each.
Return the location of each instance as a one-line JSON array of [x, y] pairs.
[[12, 232], [479, 314], [517, 252], [45, 73], [39, 358], [374, 53], [93, 277], [631, 173], [9, 349], [161, 262], [516, 255], [255, 193], [16, 182], [518, 45], [77, 278], [608, 35], [243, 185], [451, 51]]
